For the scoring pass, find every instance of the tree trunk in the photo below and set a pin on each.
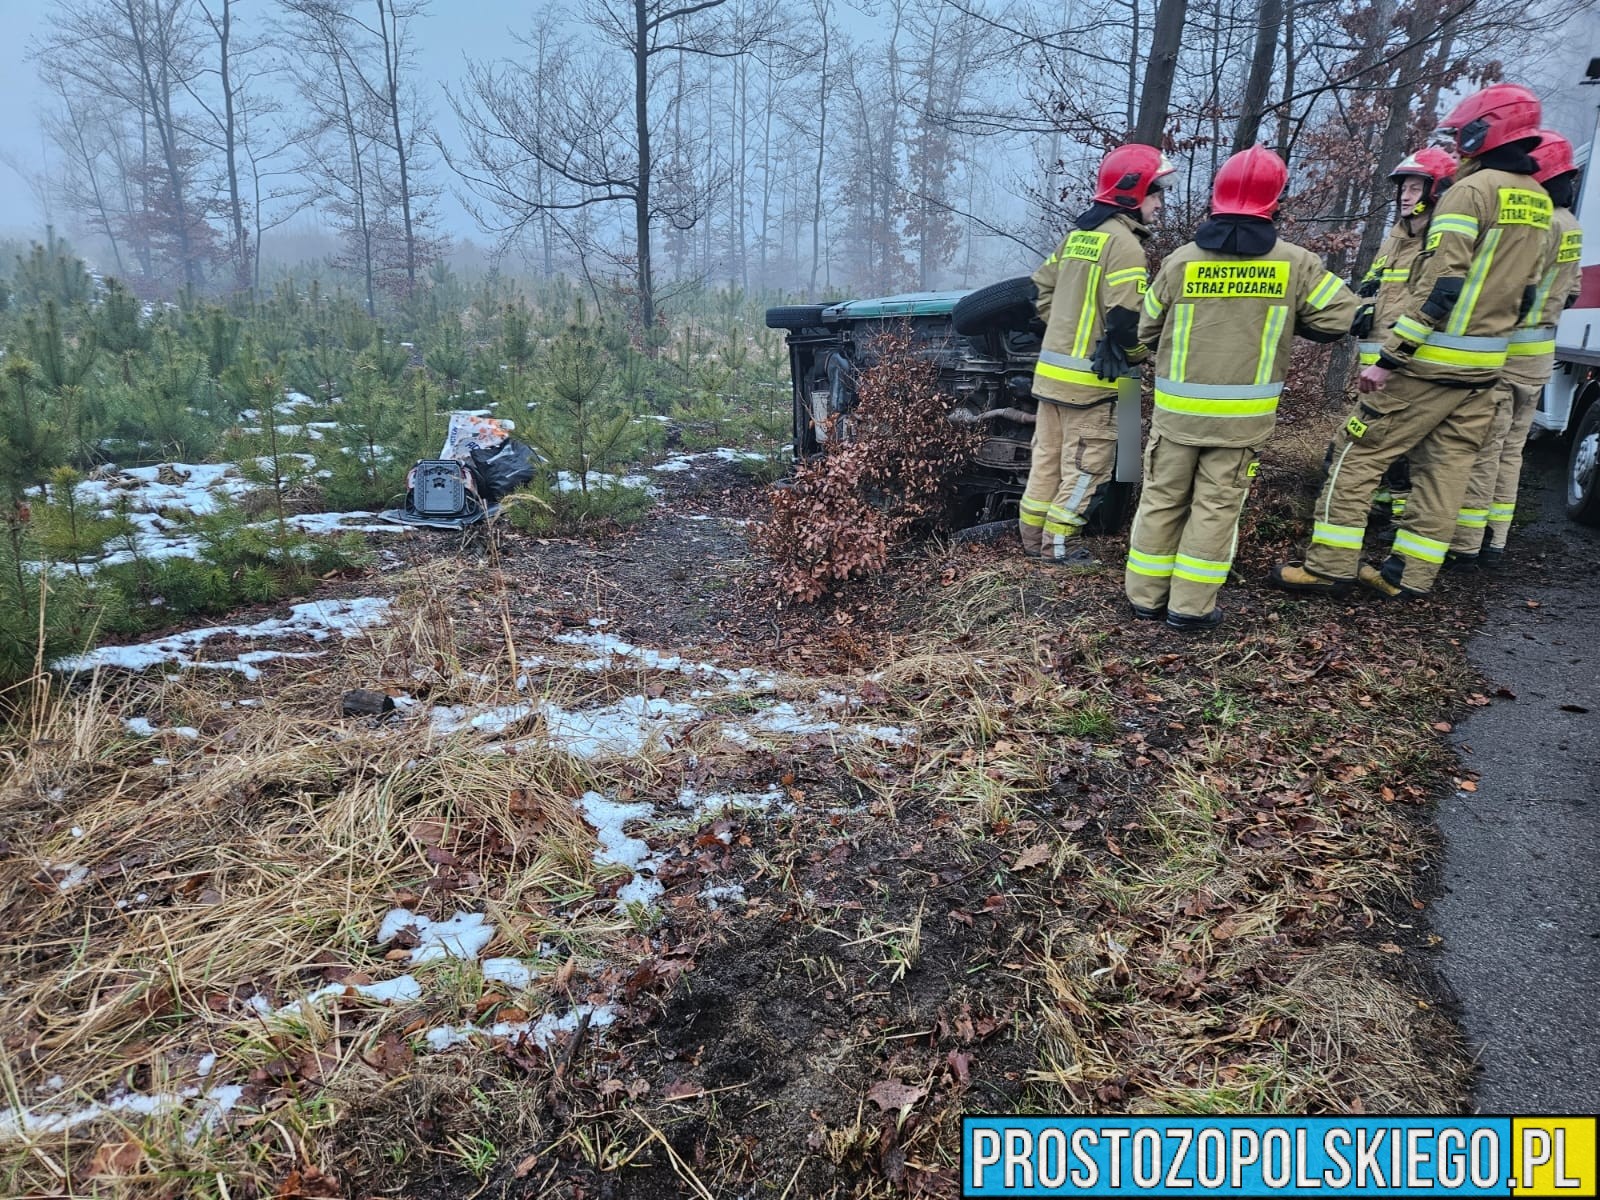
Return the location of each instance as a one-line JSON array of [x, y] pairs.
[[641, 198], [391, 70], [1284, 114], [1159, 70], [822, 149], [230, 148], [1269, 17]]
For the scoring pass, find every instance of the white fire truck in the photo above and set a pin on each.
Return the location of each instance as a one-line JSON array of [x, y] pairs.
[[1571, 400]]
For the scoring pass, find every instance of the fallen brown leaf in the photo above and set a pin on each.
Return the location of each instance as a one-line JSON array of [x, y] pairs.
[[893, 1096], [1033, 856], [117, 1158]]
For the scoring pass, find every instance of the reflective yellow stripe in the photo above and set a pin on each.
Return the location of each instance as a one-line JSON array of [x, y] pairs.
[[1540, 298], [1421, 548], [1463, 223], [1395, 275], [1182, 323], [1448, 356], [1271, 335], [1502, 512], [1411, 329], [1127, 275], [1153, 308], [1519, 349], [1472, 518], [1327, 288], [1344, 537], [1158, 566], [1368, 358], [1032, 512], [1192, 406], [1369, 352], [1091, 295], [1200, 570], [1069, 375], [1461, 315]]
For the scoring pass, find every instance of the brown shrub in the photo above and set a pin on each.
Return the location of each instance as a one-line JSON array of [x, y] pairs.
[[889, 474]]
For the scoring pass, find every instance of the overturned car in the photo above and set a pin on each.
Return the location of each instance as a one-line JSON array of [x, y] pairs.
[[984, 343]]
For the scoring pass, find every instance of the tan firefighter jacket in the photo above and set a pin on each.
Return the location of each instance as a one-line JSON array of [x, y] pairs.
[[1483, 253], [1223, 326], [1391, 271], [1531, 357], [1094, 270]]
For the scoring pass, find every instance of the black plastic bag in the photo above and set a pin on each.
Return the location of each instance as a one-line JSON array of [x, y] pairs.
[[502, 469]]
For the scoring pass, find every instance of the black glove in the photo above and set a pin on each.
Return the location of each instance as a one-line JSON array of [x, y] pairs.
[[1368, 289], [1110, 361], [1362, 325]]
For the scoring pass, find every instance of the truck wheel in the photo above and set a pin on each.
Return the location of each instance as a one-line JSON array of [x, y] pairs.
[[1583, 469], [1004, 305], [795, 316]]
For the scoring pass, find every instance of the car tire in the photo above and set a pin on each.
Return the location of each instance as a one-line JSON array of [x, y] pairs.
[[1008, 304], [795, 316], [1583, 469]]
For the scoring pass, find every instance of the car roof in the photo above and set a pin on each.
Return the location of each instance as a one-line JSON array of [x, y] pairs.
[[912, 304]]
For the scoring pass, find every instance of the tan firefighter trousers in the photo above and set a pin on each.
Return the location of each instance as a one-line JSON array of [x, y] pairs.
[[1074, 454], [1491, 496], [1440, 429], [1187, 525]]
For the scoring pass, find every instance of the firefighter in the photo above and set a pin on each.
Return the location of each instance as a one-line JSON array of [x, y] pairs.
[[1430, 394], [1223, 313], [1090, 290], [1491, 497], [1419, 180]]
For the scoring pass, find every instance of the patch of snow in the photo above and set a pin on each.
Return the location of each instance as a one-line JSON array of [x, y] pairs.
[[341, 522], [316, 619], [540, 1033], [613, 651], [77, 831], [74, 877], [716, 897], [566, 481], [617, 848], [688, 462], [402, 988], [462, 936], [510, 971], [621, 730], [139, 726], [711, 803], [206, 1065]]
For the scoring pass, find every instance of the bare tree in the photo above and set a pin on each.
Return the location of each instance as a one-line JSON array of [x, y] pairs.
[[599, 141]]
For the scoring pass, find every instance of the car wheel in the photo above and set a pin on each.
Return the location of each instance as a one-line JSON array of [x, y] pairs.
[[1008, 304], [795, 316], [1583, 469]]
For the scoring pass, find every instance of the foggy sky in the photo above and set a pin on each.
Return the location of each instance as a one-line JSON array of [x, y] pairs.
[[451, 29]]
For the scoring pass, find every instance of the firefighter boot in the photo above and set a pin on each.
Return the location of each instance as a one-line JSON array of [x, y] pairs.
[[1385, 581], [1293, 577], [1186, 624]]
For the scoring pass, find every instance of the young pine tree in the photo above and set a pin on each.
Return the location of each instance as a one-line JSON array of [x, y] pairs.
[[580, 427]]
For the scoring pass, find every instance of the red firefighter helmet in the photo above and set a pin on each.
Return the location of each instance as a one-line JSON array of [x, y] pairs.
[[1436, 166], [1554, 156], [1249, 184], [1500, 113], [1128, 173]]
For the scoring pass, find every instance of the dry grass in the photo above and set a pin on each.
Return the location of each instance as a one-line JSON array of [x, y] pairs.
[[1212, 838]]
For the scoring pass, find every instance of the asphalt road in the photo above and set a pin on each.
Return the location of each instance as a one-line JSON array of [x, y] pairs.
[[1520, 910]]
